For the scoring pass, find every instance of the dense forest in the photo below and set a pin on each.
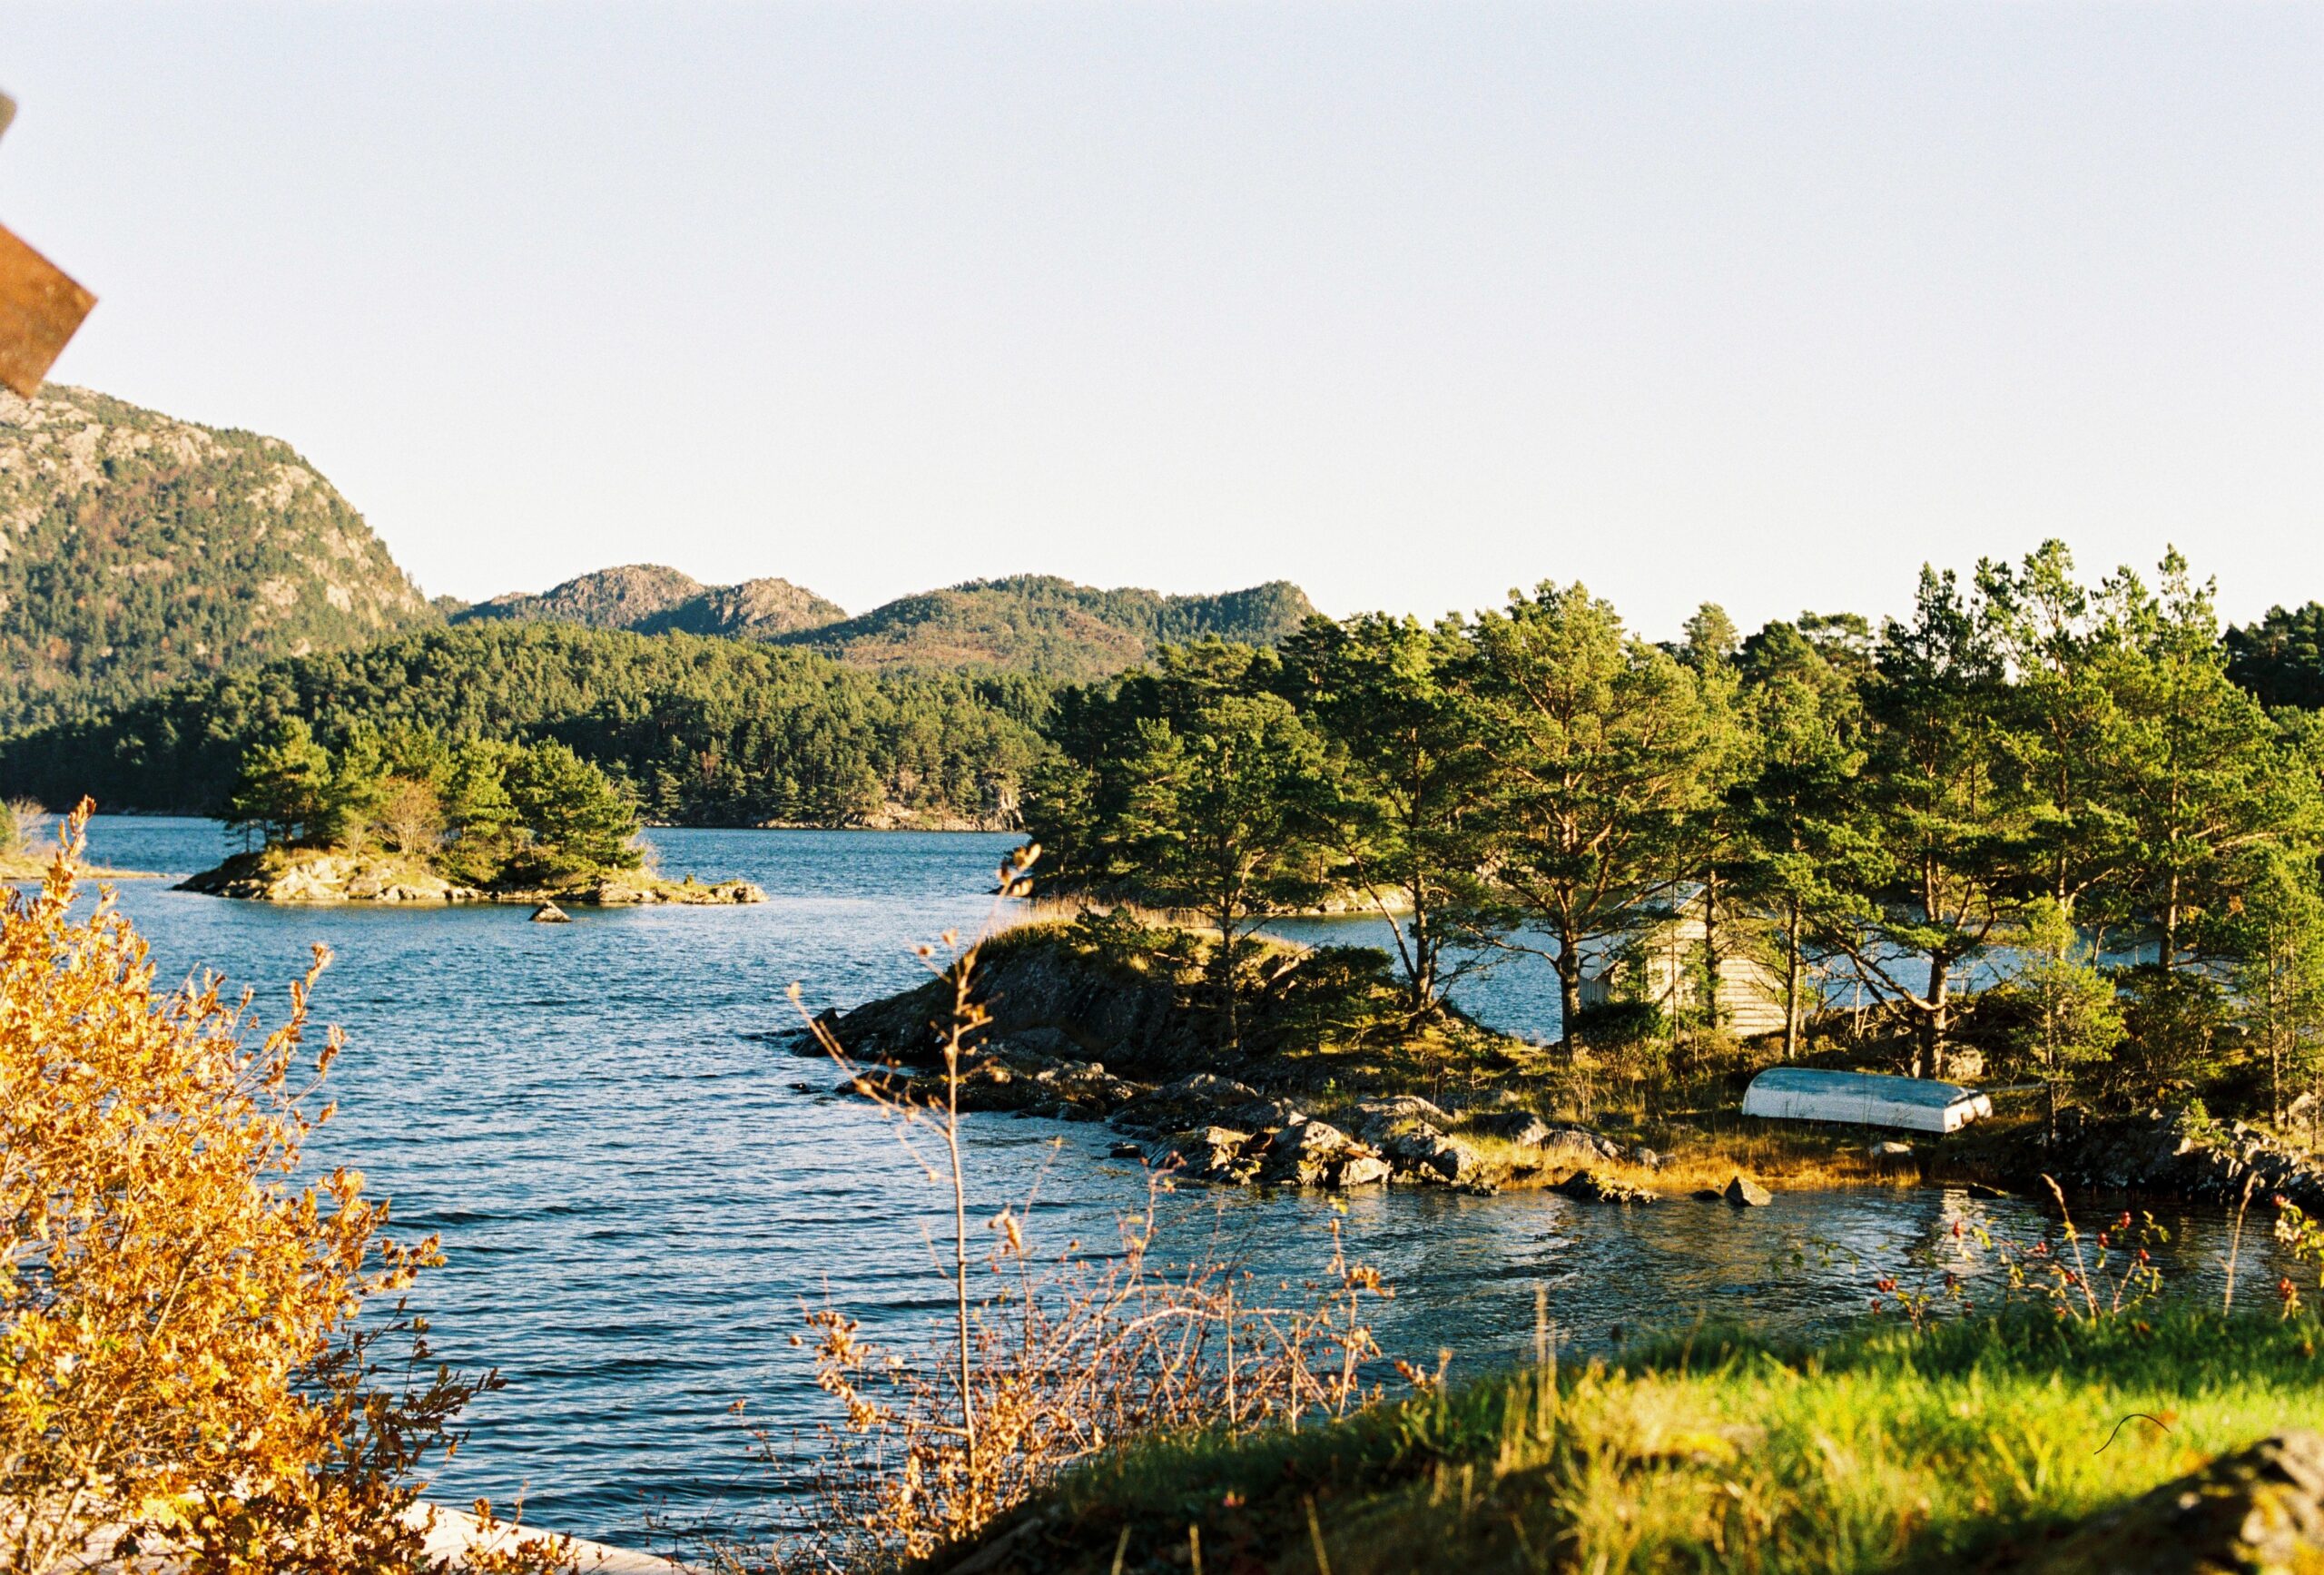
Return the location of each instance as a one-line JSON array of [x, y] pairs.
[[703, 731], [2034, 817]]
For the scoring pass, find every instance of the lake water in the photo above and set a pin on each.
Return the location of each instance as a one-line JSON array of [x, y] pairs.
[[636, 1201]]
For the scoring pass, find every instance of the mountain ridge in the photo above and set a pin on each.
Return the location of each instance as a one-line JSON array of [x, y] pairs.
[[1038, 624]]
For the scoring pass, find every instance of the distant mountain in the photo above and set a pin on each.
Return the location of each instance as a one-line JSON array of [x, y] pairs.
[[1035, 623], [1041, 625], [753, 610], [137, 550], [616, 599], [653, 599]]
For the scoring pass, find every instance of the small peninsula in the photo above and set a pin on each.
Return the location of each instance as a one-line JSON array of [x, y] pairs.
[[25, 856], [408, 817]]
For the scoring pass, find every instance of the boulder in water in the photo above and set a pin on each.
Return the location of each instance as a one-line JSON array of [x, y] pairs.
[[550, 914]]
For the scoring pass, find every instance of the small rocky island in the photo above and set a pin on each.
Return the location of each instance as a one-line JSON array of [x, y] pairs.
[[342, 875], [409, 819]]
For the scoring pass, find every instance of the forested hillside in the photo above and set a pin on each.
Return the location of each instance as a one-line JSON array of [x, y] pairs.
[[1035, 623], [137, 549], [1041, 625], [710, 731]]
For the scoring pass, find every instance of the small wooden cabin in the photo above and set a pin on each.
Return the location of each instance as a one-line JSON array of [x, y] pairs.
[[1663, 964]]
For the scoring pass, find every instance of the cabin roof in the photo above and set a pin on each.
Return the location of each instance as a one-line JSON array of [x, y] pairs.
[[1861, 1086]]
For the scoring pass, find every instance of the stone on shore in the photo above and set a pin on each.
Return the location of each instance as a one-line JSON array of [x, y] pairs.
[[1209, 1153], [2258, 1509], [1552, 1143], [1191, 1101], [1588, 1187], [1313, 1153], [1409, 1133]]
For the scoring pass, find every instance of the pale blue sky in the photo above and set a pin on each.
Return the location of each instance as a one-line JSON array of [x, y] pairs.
[[1758, 302]]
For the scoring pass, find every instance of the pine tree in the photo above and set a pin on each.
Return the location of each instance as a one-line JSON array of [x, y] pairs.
[[284, 791], [1409, 783], [1600, 743]]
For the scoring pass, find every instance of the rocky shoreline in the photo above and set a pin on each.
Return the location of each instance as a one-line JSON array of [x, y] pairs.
[[1072, 1039], [1208, 1127], [311, 875]]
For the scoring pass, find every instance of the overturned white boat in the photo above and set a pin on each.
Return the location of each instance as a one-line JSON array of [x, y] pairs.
[[1863, 1099]]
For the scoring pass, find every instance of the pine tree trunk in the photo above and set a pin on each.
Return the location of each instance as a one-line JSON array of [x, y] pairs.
[[1794, 970], [1934, 1021], [1568, 993]]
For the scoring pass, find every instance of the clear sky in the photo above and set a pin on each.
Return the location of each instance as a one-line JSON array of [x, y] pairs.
[[1758, 302]]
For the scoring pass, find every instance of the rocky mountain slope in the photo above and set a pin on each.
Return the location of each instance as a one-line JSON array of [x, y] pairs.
[[137, 549], [653, 599]]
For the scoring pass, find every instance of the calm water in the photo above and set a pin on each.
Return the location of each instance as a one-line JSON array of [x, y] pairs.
[[636, 1201]]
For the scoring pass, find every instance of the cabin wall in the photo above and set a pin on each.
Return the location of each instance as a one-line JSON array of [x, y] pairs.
[[1750, 992]]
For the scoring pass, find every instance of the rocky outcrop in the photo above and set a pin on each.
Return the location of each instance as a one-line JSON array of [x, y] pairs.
[[1411, 1133], [1070, 1035], [638, 889], [1309, 1153], [329, 877], [1042, 993], [2257, 1509], [1020, 1082], [338, 875], [2174, 1154]]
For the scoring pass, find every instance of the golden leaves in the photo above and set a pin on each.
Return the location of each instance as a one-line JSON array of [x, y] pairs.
[[178, 1350]]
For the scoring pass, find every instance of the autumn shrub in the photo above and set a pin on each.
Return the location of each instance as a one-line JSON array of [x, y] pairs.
[[187, 1363]]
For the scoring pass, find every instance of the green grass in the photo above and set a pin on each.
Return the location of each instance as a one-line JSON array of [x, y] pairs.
[[1957, 1447]]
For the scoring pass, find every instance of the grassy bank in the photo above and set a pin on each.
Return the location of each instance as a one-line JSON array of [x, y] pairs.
[[1963, 1446]]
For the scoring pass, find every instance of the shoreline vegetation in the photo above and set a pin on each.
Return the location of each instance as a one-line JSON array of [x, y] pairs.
[[2033, 1405], [211, 1363], [1105, 1019]]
